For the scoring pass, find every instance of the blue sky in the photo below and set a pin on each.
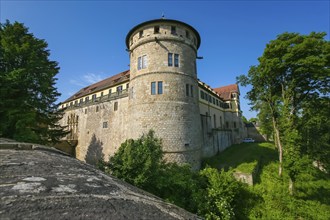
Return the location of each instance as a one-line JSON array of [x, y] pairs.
[[87, 38]]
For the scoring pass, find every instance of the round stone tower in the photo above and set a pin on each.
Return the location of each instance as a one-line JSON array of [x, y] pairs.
[[163, 92]]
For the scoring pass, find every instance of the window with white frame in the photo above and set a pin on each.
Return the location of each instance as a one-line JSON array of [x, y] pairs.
[[142, 62], [176, 60], [170, 59], [157, 88], [160, 87]]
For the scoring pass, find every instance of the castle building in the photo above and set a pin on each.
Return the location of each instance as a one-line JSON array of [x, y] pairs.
[[160, 91]]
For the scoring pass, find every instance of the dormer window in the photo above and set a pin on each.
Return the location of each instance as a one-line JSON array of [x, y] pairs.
[[173, 30]]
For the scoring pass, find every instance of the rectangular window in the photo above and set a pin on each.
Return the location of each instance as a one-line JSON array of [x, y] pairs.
[[139, 63], [153, 88], [109, 92], [87, 99], [176, 60], [127, 85], [115, 106], [101, 94], [97, 108], [160, 87], [85, 110], [202, 94], [119, 88], [158, 90], [156, 30], [173, 30], [142, 62], [192, 90], [187, 89], [105, 124], [94, 97], [170, 59], [140, 34]]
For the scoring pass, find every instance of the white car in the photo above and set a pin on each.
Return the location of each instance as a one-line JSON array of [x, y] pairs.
[[248, 140]]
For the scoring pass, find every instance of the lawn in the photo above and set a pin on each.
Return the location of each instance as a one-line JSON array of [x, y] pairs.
[[244, 157]]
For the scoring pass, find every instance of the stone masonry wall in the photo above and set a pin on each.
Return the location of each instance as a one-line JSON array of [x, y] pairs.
[[95, 140], [172, 114]]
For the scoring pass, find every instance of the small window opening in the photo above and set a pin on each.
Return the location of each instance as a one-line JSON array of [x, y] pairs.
[[173, 30], [156, 30], [187, 34]]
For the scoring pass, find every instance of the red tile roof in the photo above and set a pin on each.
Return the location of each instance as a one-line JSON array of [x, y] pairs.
[[225, 91], [106, 83]]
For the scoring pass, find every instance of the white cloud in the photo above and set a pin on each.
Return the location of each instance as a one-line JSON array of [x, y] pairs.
[[92, 78], [87, 79], [78, 83]]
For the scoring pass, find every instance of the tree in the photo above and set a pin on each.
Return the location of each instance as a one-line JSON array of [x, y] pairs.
[[293, 70], [27, 87], [315, 127], [265, 120], [138, 161], [221, 194]]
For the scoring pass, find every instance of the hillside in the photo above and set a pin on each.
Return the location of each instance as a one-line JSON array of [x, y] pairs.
[[271, 198]]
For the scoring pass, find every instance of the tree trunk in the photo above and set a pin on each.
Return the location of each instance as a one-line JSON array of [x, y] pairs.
[[279, 146], [291, 186]]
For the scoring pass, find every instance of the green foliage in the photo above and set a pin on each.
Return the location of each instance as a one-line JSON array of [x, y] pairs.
[[265, 119], [217, 195], [27, 87], [244, 119], [221, 191], [247, 167], [209, 193], [138, 161], [269, 197], [293, 72], [180, 186], [314, 127]]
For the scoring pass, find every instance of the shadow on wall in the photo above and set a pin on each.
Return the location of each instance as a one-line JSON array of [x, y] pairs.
[[94, 151], [253, 132]]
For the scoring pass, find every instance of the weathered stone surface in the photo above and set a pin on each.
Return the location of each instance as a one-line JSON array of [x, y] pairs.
[[41, 183]]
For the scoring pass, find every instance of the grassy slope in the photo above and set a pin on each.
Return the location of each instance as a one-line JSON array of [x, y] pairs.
[[244, 157], [312, 198]]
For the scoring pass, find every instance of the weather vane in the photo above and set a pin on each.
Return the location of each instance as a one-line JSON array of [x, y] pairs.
[[163, 16]]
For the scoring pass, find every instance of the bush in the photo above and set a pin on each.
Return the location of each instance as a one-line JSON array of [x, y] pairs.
[[138, 161], [209, 193]]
